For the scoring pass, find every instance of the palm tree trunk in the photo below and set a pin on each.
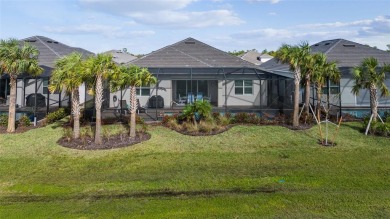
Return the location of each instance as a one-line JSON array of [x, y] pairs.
[[76, 113], [297, 79], [374, 102], [98, 107], [318, 90], [307, 94], [12, 104], [133, 108]]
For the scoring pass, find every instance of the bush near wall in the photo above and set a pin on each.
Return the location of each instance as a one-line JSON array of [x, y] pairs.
[[56, 115]]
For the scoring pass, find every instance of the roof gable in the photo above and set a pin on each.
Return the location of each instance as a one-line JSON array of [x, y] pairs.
[[190, 53], [349, 54], [50, 50], [120, 57]]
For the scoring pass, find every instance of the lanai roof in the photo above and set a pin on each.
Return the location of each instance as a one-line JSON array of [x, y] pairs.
[[346, 53], [191, 53]]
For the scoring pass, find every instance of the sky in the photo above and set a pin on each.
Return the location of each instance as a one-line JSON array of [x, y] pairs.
[[143, 26]]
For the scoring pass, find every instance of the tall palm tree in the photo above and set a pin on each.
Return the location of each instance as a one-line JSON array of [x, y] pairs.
[[99, 68], [294, 56], [321, 71], [132, 76], [369, 75], [16, 60], [67, 76]]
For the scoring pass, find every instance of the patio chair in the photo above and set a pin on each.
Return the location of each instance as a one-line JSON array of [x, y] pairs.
[[140, 109], [123, 107], [199, 96], [190, 97]]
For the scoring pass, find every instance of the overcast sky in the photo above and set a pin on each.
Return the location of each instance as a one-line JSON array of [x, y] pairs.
[[143, 26]]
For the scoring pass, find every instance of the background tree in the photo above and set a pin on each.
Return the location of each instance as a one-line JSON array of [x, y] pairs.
[[99, 68], [132, 76], [14, 61], [369, 75], [68, 76], [294, 56]]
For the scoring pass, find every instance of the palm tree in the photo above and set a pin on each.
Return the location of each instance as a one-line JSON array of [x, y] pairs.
[[16, 60], [295, 57], [321, 71], [67, 76], [369, 75], [132, 76], [99, 68]]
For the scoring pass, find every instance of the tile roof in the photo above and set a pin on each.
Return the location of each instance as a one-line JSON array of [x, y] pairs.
[[190, 53], [50, 50], [121, 57], [346, 53]]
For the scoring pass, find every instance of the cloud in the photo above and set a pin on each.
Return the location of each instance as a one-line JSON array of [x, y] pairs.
[[370, 30], [165, 13], [105, 30], [84, 29], [189, 19], [270, 1], [125, 7]]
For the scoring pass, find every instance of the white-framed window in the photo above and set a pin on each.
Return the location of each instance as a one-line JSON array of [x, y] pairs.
[[45, 85], [242, 87], [144, 90]]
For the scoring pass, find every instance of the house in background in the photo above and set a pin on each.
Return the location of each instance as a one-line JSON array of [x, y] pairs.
[[28, 87], [348, 55], [190, 69], [253, 56], [120, 56]]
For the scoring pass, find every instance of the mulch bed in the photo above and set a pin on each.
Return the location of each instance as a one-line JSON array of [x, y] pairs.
[[185, 132], [116, 141]]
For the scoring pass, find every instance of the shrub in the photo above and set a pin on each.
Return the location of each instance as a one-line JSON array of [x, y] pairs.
[[24, 121], [198, 109], [241, 118], [190, 127], [206, 127], [56, 115], [67, 134], [3, 120], [139, 120], [224, 121]]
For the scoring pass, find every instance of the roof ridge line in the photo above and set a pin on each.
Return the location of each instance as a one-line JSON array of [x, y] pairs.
[[57, 54], [333, 46], [192, 57]]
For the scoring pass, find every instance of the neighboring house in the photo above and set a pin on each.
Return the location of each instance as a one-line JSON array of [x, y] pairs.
[[190, 67], [253, 56], [121, 57], [49, 51], [348, 55]]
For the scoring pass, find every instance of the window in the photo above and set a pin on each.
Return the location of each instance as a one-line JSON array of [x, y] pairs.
[[144, 90], [45, 84], [334, 88], [243, 87]]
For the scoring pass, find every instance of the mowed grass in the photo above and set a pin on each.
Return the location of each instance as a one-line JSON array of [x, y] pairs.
[[246, 172]]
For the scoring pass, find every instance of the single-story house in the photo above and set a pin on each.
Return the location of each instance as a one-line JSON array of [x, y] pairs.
[[255, 57], [348, 55], [49, 51], [121, 56], [191, 69]]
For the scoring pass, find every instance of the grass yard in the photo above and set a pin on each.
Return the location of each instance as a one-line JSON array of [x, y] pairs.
[[246, 172]]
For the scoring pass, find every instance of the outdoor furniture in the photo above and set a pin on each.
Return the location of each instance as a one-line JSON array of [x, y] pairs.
[[190, 98], [140, 109], [199, 96], [123, 107]]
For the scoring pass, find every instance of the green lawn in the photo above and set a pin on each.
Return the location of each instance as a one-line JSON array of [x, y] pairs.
[[246, 172]]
